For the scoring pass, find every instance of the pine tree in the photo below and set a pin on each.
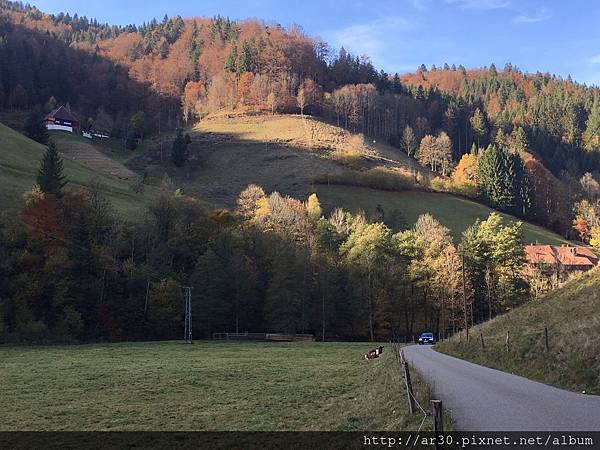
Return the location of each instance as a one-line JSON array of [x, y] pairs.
[[164, 49], [592, 130], [231, 63], [34, 128], [478, 125], [50, 176], [519, 140], [179, 150], [246, 60], [492, 176]]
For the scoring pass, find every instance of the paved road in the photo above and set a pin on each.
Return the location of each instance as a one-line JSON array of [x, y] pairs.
[[484, 399]]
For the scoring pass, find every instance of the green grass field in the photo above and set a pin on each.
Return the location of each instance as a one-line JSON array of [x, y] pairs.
[[571, 316], [453, 212], [206, 386], [19, 161]]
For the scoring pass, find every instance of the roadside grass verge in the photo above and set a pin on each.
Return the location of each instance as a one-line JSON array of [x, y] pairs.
[[571, 316], [218, 386]]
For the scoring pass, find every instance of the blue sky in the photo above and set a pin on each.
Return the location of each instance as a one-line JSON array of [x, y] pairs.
[[557, 36]]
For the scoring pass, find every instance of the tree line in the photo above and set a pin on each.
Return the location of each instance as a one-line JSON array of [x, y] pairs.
[[73, 271]]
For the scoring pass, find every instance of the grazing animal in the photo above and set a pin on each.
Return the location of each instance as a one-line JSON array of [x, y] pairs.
[[374, 353]]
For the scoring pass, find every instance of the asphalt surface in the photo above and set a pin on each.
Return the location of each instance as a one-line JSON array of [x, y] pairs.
[[484, 399]]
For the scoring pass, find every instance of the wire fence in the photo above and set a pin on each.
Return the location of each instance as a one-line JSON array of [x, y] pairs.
[[404, 371], [509, 339]]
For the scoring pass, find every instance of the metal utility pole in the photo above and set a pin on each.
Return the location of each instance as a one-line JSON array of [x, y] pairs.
[[187, 328]]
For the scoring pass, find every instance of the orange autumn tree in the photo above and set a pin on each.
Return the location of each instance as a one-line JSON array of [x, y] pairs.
[[41, 218], [464, 177]]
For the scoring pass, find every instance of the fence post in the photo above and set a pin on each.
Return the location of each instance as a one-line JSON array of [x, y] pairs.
[[409, 389], [482, 343], [438, 423], [508, 341], [546, 339]]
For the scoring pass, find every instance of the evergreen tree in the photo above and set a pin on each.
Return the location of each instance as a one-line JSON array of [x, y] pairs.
[[592, 130], [179, 150], [232, 59], [503, 182], [519, 141], [164, 49], [50, 176], [493, 178], [478, 125], [34, 128], [246, 60]]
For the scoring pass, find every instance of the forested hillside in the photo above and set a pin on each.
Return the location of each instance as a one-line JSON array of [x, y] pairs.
[[523, 144], [163, 74]]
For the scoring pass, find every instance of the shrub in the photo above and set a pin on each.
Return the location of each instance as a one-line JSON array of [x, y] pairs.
[[32, 331], [375, 178]]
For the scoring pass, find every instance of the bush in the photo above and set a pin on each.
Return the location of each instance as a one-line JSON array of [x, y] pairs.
[[443, 184], [349, 157], [440, 184], [376, 178], [32, 331], [70, 325]]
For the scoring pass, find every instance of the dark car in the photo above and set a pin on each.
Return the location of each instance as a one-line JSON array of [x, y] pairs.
[[426, 338]]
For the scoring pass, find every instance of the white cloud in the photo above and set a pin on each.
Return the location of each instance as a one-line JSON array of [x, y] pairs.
[[479, 4], [594, 60], [534, 18], [421, 4], [369, 38]]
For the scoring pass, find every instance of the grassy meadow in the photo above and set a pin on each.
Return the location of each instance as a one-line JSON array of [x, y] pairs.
[[571, 316], [456, 213], [19, 161], [213, 386]]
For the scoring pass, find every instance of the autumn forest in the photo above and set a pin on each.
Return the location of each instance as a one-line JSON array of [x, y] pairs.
[[524, 144]]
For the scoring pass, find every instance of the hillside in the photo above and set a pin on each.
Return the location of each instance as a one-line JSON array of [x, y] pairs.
[[456, 213], [88, 154], [19, 162], [571, 316], [285, 153], [281, 153]]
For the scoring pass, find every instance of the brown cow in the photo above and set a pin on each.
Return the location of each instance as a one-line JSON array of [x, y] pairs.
[[374, 353]]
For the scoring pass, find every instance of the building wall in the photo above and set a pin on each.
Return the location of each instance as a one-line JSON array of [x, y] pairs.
[[52, 126]]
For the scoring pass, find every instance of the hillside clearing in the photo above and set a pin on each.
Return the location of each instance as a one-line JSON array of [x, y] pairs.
[[281, 153], [571, 316], [453, 212], [205, 386], [83, 151], [19, 162]]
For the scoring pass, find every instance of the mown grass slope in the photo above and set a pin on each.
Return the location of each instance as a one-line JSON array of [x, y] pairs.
[[456, 213], [19, 162], [205, 386], [572, 316]]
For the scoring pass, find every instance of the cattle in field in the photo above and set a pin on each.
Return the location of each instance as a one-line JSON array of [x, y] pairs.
[[374, 353]]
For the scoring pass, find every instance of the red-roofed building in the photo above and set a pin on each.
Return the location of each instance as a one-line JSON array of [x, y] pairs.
[[563, 260]]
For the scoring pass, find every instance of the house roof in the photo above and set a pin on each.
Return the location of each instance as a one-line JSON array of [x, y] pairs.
[[62, 113], [564, 255], [540, 254], [572, 256]]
